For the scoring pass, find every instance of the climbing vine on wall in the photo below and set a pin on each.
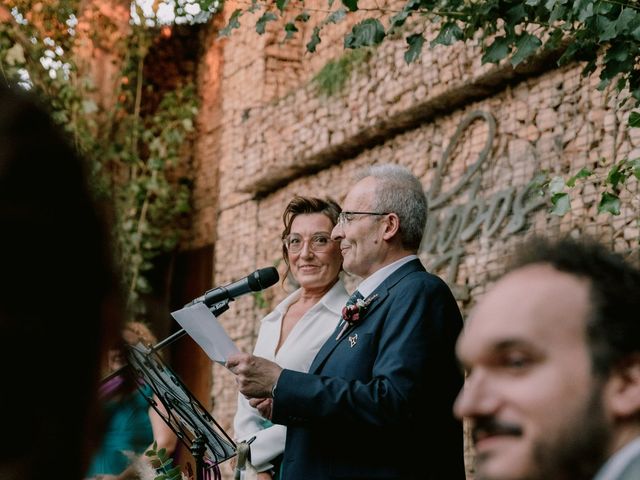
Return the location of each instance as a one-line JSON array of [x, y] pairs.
[[602, 34], [134, 156]]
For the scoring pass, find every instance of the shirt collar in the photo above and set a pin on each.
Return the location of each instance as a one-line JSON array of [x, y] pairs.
[[374, 280], [333, 300], [619, 461]]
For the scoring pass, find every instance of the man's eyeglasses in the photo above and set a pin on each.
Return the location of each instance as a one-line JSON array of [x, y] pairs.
[[347, 217], [319, 242]]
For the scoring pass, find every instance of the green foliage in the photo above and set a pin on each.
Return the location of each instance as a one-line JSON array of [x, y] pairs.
[[510, 29], [612, 185], [367, 33], [163, 464], [602, 34], [133, 158], [334, 75]]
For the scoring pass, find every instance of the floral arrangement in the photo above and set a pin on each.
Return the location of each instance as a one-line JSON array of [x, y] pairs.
[[354, 313]]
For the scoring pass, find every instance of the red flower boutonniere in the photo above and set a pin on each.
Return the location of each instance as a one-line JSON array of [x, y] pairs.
[[353, 314]]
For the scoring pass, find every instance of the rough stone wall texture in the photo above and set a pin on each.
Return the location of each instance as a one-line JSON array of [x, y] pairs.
[[474, 134]]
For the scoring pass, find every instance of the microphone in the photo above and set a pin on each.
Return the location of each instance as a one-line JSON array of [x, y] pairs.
[[258, 280]]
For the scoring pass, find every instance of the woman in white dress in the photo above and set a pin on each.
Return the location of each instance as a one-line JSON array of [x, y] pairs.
[[294, 331]]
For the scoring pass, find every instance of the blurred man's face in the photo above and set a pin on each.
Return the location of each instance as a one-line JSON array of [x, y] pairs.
[[535, 408]]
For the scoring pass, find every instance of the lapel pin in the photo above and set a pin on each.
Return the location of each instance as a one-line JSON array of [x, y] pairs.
[[353, 339]]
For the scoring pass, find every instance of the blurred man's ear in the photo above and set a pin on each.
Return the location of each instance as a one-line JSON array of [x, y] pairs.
[[622, 393]]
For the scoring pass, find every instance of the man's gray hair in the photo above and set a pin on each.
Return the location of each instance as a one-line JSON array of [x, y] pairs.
[[400, 192]]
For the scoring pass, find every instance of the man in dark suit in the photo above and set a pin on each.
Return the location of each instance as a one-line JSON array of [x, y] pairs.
[[553, 359], [383, 386]]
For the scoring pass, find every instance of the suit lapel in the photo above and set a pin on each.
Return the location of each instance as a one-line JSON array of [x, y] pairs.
[[382, 291]]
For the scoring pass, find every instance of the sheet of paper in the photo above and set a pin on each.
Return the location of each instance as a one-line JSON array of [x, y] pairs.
[[206, 331]]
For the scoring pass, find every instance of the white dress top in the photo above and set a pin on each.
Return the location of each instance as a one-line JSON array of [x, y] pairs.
[[296, 353]]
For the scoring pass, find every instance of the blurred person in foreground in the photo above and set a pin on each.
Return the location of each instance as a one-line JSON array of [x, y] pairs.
[[58, 301], [294, 331], [384, 383], [133, 425], [552, 353]]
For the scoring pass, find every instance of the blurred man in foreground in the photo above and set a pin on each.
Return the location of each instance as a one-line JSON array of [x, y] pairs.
[[552, 353]]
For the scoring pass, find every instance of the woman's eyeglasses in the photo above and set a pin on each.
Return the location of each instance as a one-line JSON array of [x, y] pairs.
[[319, 242]]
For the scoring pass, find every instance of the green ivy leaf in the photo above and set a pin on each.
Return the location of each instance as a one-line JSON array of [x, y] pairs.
[[606, 28], [609, 203], [618, 174], [583, 173], [367, 33], [561, 204], [449, 33], [233, 23], [635, 167], [262, 21], [254, 7], [497, 51], [526, 46], [303, 17], [409, 7], [314, 41], [628, 17], [634, 119], [556, 185], [415, 42], [352, 5], [515, 14], [290, 28], [336, 16], [281, 4], [557, 13], [584, 9]]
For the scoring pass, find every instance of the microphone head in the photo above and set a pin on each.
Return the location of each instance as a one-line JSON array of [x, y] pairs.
[[263, 278]]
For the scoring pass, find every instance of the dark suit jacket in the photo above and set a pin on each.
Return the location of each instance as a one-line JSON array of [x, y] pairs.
[[367, 407]]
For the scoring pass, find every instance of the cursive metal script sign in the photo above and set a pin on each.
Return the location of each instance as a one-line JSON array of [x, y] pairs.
[[461, 213]]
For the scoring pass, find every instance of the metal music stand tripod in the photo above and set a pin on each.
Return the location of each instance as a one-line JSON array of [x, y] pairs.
[[193, 425]]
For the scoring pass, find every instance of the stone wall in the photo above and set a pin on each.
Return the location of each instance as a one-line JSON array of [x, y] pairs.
[[476, 135]]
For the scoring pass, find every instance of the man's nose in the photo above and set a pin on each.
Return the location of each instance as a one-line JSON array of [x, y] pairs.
[[337, 233], [476, 397]]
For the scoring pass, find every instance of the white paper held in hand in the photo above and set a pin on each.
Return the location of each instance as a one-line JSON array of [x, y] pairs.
[[206, 331]]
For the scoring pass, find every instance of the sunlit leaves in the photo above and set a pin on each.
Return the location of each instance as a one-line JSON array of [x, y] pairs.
[[234, 22], [262, 21], [367, 33], [526, 45], [582, 174], [290, 29], [415, 42], [281, 5], [609, 203], [449, 33], [352, 5], [498, 50], [561, 204], [314, 41]]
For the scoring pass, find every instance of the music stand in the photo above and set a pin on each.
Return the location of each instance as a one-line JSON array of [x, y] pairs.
[[193, 425]]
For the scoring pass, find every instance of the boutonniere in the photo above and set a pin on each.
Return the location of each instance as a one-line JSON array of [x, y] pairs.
[[354, 314]]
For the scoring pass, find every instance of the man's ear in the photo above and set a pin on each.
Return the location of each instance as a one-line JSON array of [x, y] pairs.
[[623, 388], [392, 226]]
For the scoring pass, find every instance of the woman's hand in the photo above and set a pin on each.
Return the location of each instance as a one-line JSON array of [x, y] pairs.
[[264, 476], [263, 405]]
